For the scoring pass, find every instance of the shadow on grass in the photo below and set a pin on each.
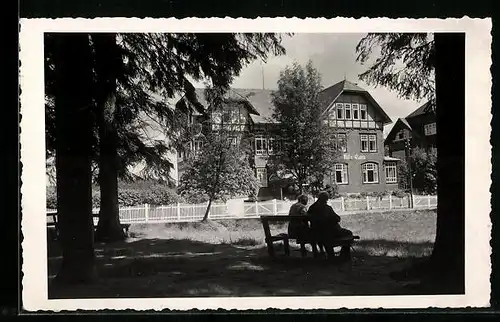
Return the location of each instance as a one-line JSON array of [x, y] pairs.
[[185, 268]]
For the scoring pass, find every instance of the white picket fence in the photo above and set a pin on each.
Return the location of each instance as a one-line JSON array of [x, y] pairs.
[[238, 210]]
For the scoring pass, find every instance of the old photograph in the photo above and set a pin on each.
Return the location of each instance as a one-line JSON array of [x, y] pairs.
[[253, 166]]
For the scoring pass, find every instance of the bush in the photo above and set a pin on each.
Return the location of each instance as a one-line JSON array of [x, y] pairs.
[[129, 194], [399, 193], [153, 194], [195, 198], [376, 194], [51, 201]]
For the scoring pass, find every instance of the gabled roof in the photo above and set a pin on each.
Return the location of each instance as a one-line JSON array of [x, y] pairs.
[[259, 101], [405, 122], [330, 94], [238, 95], [400, 123], [424, 109]]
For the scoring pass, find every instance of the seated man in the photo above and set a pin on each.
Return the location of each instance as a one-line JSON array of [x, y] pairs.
[[300, 230], [326, 225]]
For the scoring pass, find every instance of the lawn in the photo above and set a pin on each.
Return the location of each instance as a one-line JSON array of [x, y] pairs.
[[229, 258]]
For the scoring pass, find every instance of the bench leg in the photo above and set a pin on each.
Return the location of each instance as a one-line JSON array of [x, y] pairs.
[[315, 250], [270, 249], [287, 246], [330, 251], [345, 253], [303, 250]]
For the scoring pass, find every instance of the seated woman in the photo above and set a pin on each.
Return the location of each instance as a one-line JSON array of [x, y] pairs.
[[300, 230], [326, 227]]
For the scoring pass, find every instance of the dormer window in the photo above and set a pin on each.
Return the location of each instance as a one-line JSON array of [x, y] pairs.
[[260, 145], [430, 129], [355, 111], [347, 111], [362, 109], [197, 146], [340, 111]]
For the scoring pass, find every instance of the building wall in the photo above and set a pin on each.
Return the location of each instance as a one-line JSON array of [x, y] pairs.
[[354, 159], [417, 135], [353, 156], [372, 121]]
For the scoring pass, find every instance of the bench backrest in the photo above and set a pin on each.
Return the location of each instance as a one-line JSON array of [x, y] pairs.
[[284, 218]]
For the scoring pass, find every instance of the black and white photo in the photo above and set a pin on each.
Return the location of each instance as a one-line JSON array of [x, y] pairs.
[[210, 164]]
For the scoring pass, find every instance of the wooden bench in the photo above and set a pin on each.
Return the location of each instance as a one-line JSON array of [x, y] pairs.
[[270, 239], [55, 223]]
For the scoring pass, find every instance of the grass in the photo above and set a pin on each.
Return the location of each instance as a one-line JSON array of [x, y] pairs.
[[229, 258]]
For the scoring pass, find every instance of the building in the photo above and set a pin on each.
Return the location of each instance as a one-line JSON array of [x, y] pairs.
[[418, 128], [359, 121]]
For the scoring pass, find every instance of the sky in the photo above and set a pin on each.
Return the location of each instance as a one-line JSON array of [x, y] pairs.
[[334, 55]]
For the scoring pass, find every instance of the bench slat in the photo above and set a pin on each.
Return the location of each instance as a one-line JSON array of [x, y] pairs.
[[285, 238]]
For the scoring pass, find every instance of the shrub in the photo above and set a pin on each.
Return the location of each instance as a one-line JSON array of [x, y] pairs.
[[51, 201], [399, 193], [333, 191], [195, 198], [153, 194], [129, 194], [424, 171]]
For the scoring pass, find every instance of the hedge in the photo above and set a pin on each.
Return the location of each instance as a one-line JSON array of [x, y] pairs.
[[129, 194]]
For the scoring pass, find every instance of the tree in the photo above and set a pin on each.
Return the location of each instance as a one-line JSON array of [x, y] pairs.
[[73, 137], [220, 170], [423, 170], [406, 64], [308, 146], [130, 72], [151, 64], [107, 66]]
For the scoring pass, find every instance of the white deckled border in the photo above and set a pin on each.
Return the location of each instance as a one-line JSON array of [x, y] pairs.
[[478, 156]]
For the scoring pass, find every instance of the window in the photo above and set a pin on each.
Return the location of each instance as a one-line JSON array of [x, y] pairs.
[[430, 129], [372, 142], [190, 118], [390, 173], [341, 174], [262, 176], [400, 135], [370, 173], [232, 140], [260, 145], [355, 111], [362, 109], [364, 143], [197, 145], [340, 111], [368, 142], [271, 145], [347, 111]]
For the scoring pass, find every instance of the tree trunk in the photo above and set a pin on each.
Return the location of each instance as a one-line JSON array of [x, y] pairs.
[[73, 157], [205, 217], [107, 59], [448, 256]]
